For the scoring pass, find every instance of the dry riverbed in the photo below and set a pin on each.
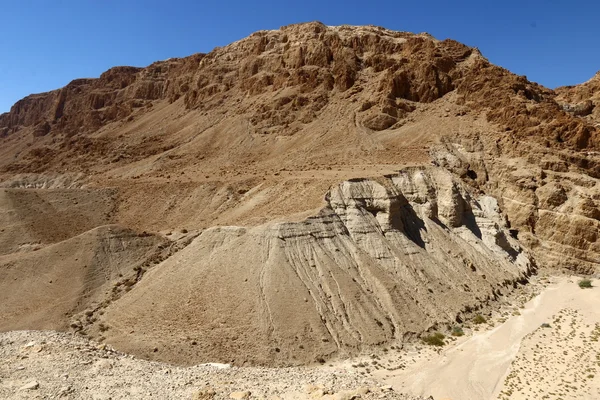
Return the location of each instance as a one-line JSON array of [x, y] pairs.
[[546, 349]]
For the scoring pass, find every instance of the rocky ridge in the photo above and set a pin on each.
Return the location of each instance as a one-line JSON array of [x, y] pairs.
[[280, 81]]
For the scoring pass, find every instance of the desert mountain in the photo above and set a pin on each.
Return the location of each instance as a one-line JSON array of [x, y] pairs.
[[300, 193], [582, 100]]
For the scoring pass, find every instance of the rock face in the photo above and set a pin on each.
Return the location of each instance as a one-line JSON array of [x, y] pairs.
[[385, 259], [84, 105], [552, 204], [582, 100], [301, 63]]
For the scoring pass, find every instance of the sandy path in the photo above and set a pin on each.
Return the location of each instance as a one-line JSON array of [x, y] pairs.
[[477, 367]]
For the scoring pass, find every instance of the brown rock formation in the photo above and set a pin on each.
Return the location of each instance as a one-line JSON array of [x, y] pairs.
[[582, 100]]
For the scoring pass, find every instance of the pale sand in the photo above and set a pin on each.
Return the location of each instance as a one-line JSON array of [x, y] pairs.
[[519, 358]]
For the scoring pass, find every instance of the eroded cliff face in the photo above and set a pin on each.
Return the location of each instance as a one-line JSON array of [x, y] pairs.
[[85, 105], [275, 84], [386, 259], [297, 67], [551, 198], [582, 100]]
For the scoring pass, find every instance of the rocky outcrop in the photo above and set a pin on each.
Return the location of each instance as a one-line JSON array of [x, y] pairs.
[[281, 81], [582, 100], [298, 66], [552, 204], [580, 109], [85, 105], [385, 260]]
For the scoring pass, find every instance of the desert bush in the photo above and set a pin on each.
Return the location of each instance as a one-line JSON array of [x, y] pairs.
[[457, 331], [479, 319], [436, 339], [585, 283]]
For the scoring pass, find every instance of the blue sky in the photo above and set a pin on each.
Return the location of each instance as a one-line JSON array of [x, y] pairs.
[[44, 44]]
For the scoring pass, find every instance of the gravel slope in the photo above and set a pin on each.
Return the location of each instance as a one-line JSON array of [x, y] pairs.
[[46, 364]]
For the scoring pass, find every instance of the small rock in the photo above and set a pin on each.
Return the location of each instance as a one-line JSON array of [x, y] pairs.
[[310, 389], [33, 385], [65, 390], [103, 364], [204, 394]]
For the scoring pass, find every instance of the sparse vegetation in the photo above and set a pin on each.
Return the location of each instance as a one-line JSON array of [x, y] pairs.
[[457, 331], [585, 283], [436, 339], [479, 319]]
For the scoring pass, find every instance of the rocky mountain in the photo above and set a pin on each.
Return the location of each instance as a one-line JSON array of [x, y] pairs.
[[582, 100], [299, 194]]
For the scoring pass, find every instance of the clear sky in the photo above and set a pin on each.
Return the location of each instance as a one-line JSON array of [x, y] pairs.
[[44, 44]]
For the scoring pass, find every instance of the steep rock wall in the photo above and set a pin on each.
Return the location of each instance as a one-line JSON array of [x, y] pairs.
[[551, 198]]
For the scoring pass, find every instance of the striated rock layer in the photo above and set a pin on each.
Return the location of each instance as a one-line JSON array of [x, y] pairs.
[[551, 200]]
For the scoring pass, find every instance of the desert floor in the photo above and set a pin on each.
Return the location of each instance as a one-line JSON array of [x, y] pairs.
[[517, 358]]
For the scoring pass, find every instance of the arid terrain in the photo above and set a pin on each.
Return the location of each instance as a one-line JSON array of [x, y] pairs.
[[290, 204]]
